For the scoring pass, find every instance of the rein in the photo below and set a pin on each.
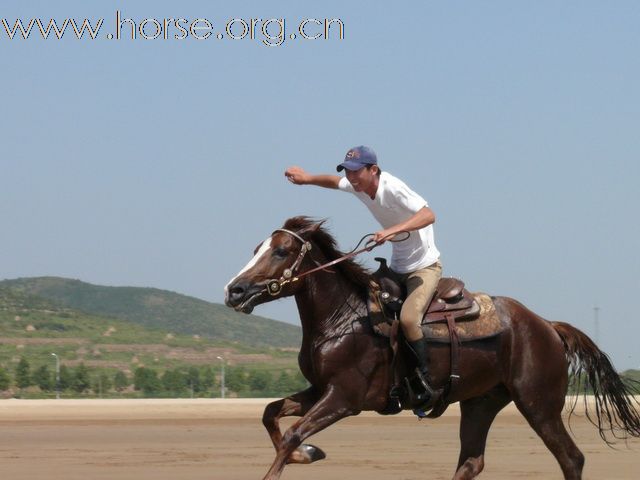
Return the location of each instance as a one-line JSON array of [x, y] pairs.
[[274, 286]]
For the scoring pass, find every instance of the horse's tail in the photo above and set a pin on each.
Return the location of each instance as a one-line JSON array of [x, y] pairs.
[[593, 373]]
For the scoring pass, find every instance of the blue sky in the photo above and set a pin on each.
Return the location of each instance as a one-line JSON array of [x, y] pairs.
[[160, 162]]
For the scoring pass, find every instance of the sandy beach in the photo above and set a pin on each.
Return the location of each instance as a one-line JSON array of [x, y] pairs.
[[224, 439]]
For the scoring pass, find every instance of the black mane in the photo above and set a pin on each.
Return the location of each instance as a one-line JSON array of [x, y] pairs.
[[350, 269]]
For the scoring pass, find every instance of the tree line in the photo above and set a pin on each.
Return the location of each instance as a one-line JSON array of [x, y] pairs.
[[239, 381], [150, 382]]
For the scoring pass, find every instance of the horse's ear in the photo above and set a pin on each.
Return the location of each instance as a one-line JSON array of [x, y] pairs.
[[311, 228]]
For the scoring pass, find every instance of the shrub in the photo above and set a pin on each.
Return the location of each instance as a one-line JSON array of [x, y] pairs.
[[5, 380], [120, 381], [43, 378], [23, 374]]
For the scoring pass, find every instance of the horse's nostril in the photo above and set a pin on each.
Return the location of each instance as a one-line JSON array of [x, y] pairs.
[[236, 291]]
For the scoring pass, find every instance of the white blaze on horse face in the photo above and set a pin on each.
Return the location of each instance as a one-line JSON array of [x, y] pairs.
[[266, 245]]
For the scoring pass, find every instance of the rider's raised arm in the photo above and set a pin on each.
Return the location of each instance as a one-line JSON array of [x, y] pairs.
[[299, 176]]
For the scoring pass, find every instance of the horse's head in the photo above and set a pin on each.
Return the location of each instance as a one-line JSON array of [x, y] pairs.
[[275, 261]]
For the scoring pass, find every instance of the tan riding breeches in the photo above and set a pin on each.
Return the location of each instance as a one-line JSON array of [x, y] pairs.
[[421, 285]]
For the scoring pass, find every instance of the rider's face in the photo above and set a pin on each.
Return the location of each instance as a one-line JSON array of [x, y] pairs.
[[364, 179]]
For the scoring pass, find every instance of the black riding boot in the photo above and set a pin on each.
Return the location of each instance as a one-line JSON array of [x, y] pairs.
[[425, 392]]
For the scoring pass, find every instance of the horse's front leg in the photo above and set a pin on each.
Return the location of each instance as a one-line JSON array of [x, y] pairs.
[[297, 404], [330, 408]]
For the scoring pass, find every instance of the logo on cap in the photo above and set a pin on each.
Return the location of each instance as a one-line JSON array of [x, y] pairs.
[[358, 157]]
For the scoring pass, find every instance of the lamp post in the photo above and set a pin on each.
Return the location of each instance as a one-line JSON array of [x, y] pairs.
[[57, 376], [221, 376]]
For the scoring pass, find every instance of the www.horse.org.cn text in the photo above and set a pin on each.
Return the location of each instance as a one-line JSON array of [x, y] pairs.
[[271, 32]]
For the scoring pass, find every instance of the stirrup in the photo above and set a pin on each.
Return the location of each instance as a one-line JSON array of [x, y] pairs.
[[422, 391]]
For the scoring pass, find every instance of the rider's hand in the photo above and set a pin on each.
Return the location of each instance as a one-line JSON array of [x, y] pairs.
[[296, 175], [382, 236]]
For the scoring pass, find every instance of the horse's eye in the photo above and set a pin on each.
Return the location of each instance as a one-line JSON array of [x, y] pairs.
[[280, 253]]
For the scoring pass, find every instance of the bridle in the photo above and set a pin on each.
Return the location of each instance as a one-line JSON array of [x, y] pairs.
[[274, 286]]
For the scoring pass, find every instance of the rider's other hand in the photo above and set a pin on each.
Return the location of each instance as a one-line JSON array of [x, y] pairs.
[[296, 175]]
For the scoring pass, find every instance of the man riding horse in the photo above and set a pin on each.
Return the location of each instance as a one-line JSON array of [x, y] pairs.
[[416, 260], [351, 369]]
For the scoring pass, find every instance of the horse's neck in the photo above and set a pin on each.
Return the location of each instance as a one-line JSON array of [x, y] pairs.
[[327, 305]]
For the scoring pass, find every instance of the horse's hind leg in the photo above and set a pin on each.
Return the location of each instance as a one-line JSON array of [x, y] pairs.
[[538, 385], [477, 415], [297, 404], [547, 422]]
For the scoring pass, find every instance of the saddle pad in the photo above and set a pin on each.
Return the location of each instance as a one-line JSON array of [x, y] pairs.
[[486, 325]]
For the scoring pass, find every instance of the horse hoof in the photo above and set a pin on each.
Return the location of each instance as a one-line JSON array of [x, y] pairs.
[[306, 454]]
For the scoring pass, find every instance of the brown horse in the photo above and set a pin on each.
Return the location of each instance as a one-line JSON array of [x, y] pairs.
[[349, 367]]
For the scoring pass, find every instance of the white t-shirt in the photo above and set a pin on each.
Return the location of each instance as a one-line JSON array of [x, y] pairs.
[[394, 203]]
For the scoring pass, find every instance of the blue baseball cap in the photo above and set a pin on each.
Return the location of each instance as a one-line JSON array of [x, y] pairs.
[[358, 157]]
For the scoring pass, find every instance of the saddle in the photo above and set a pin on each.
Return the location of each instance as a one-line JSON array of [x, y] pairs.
[[451, 300]]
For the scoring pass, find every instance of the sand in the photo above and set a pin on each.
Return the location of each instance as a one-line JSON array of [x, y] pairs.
[[225, 439]]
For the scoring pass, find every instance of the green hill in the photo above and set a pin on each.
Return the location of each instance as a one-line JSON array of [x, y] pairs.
[[157, 308], [32, 328]]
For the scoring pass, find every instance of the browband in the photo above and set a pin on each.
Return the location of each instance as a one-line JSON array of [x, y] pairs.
[[293, 234]]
